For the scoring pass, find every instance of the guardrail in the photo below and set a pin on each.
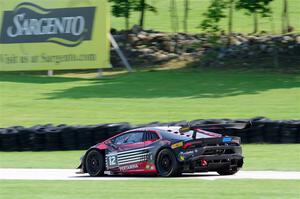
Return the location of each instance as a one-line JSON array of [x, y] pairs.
[[65, 137]]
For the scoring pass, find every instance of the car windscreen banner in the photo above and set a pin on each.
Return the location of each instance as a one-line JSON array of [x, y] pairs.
[[54, 34]]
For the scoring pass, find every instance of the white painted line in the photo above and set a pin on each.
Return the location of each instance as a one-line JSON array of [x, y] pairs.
[[70, 174]]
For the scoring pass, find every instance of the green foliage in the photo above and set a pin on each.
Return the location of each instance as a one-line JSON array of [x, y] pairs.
[[124, 8], [139, 6], [213, 16], [255, 6], [161, 21], [215, 12]]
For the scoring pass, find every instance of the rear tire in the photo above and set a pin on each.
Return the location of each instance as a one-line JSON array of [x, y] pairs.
[[227, 171], [95, 163], [167, 164]]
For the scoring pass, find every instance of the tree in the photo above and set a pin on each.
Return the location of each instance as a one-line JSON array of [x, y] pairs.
[[213, 16], [230, 16], [174, 16], [186, 15], [285, 17], [123, 8], [142, 9], [142, 6], [255, 8]]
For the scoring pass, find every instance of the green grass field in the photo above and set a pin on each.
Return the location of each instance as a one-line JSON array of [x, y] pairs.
[[246, 189], [257, 157], [242, 23], [146, 96], [141, 97]]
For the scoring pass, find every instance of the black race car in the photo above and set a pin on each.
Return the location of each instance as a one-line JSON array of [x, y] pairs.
[[166, 151]]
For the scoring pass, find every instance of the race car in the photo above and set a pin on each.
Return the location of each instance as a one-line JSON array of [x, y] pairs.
[[166, 151]]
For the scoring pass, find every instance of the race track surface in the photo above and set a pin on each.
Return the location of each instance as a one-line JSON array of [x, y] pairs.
[[70, 174]]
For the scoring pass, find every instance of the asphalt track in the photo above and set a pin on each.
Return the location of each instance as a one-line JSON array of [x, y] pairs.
[[70, 174]]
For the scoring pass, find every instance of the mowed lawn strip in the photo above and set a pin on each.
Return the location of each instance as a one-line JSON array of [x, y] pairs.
[[150, 189], [283, 157], [147, 96]]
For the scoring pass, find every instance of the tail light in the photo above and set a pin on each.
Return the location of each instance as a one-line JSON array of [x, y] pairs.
[[187, 145], [204, 163]]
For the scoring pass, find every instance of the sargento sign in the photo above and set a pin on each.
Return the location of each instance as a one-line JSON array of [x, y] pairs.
[[29, 23], [53, 34]]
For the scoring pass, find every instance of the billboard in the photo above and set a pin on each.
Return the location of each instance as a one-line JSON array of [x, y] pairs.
[[54, 34]]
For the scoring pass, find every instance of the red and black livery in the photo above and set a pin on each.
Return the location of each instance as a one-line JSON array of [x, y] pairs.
[[166, 151]]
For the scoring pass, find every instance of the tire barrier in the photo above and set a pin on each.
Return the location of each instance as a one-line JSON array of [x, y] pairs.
[[62, 137], [65, 137]]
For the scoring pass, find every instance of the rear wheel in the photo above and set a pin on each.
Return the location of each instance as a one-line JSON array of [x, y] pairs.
[[227, 171], [166, 164], [94, 163]]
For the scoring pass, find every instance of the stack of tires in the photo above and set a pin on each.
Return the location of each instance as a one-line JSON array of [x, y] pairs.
[[62, 137]]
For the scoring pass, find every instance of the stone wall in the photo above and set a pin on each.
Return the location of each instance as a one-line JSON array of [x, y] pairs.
[[148, 48]]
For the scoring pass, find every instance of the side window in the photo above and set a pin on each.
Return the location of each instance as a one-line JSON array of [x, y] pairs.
[[151, 136], [135, 137], [129, 138], [121, 139], [154, 136]]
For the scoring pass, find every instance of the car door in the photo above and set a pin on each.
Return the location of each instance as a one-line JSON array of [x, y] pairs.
[[129, 149]]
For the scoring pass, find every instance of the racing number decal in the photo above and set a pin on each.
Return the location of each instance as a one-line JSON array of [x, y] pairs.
[[112, 160]]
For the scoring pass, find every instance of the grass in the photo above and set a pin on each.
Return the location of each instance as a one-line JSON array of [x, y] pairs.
[[283, 157], [242, 23], [146, 96], [150, 189]]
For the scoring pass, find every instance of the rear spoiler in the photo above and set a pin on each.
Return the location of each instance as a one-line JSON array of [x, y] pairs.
[[237, 125]]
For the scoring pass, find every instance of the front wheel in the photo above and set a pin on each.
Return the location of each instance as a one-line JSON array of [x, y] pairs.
[[95, 163], [167, 164]]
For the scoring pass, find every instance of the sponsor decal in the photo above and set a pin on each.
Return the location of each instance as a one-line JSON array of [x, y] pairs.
[[128, 167], [127, 157], [184, 129], [31, 23], [181, 157], [150, 167], [176, 145], [227, 139]]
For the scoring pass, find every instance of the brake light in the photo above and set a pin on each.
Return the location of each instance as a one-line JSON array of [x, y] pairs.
[[187, 145]]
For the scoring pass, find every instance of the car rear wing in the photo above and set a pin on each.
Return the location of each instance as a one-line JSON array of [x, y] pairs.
[[237, 125]]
